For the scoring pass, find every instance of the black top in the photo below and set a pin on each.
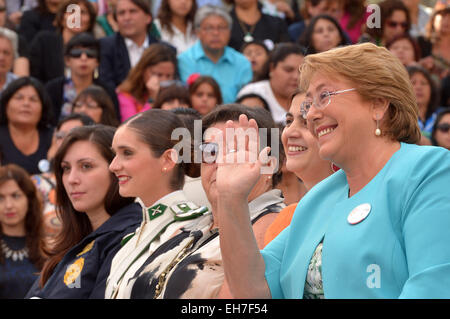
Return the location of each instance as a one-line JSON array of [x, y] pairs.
[[17, 273], [46, 56], [83, 271], [55, 89], [34, 21], [10, 153], [267, 27]]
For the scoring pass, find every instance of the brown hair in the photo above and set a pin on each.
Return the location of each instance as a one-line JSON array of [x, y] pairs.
[[171, 93], [376, 74], [33, 220], [75, 224], [99, 95], [206, 79], [59, 18], [165, 15], [387, 8], [154, 54], [154, 127]]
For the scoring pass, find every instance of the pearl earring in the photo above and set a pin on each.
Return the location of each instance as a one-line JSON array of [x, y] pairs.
[[377, 131]]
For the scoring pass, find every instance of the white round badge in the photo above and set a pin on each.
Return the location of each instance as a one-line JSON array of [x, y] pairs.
[[359, 213]]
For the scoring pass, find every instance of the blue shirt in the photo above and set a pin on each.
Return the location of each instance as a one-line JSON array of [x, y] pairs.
[[231, 72], [400, 250]]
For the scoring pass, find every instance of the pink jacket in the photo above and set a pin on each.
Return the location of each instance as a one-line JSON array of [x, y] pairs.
[[129, 106]]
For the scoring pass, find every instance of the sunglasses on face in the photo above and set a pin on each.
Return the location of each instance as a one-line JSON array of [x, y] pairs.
[[209, 152], [90, 53], [444, 127], [394, 24]]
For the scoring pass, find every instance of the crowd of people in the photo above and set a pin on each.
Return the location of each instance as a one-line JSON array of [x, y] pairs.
[[332, 187]]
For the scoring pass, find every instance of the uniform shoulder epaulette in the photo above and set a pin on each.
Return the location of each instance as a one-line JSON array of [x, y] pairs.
[[187, 210]]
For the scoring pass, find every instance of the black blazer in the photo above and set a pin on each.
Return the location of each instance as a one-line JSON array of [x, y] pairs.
[[46, 56], [55, 89], [114, 59], [34, 21]]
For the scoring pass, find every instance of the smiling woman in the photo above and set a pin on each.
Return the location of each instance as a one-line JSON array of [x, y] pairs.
[[147, 166], [370, 131], [94, 217]]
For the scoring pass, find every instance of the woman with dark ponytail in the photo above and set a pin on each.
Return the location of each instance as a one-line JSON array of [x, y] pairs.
[[149, 165]]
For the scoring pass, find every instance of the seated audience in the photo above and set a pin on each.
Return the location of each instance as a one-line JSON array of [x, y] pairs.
[[211, 56], [322, 34], [172, 97], [258, 54], [279, 79], [123, 50], [21, 240], [394, 21], [175, 23], [95, 102], [427, 97], [39, 19], [8, 49], [141, 87], [47, 47], [204, 93], [440, 136], [81, 55], [25, 119], [405, 48], [250, 23]]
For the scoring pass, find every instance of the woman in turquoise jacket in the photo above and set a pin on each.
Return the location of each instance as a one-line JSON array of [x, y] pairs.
[[378, 228]]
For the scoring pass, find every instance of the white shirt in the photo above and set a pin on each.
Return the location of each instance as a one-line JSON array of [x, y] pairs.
[[422, 20], [135, 51], [263, 89], [133, 254], [178, 39]]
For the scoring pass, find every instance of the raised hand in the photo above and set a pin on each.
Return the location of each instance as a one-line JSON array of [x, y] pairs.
[[240, 163]]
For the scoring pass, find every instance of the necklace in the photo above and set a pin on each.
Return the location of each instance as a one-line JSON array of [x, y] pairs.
[[247, 32], [13, 254]]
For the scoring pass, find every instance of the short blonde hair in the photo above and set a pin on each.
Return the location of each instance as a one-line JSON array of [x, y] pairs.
[[375, 73]]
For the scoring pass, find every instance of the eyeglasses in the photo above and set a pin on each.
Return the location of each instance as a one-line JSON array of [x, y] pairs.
[[91, 106], [90, 53], [2, 9], [394, 24], [320, 102], [211, 29], [444, 127], [209, 152]]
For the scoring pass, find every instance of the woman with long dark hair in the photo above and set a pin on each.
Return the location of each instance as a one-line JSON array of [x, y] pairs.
[[94, 217], [21, 241]]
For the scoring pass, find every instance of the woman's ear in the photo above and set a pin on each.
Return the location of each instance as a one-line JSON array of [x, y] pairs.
[[379, 108], [169, 159]]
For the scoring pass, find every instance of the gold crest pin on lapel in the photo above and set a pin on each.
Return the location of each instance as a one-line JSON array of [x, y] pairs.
[[359, 213]]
